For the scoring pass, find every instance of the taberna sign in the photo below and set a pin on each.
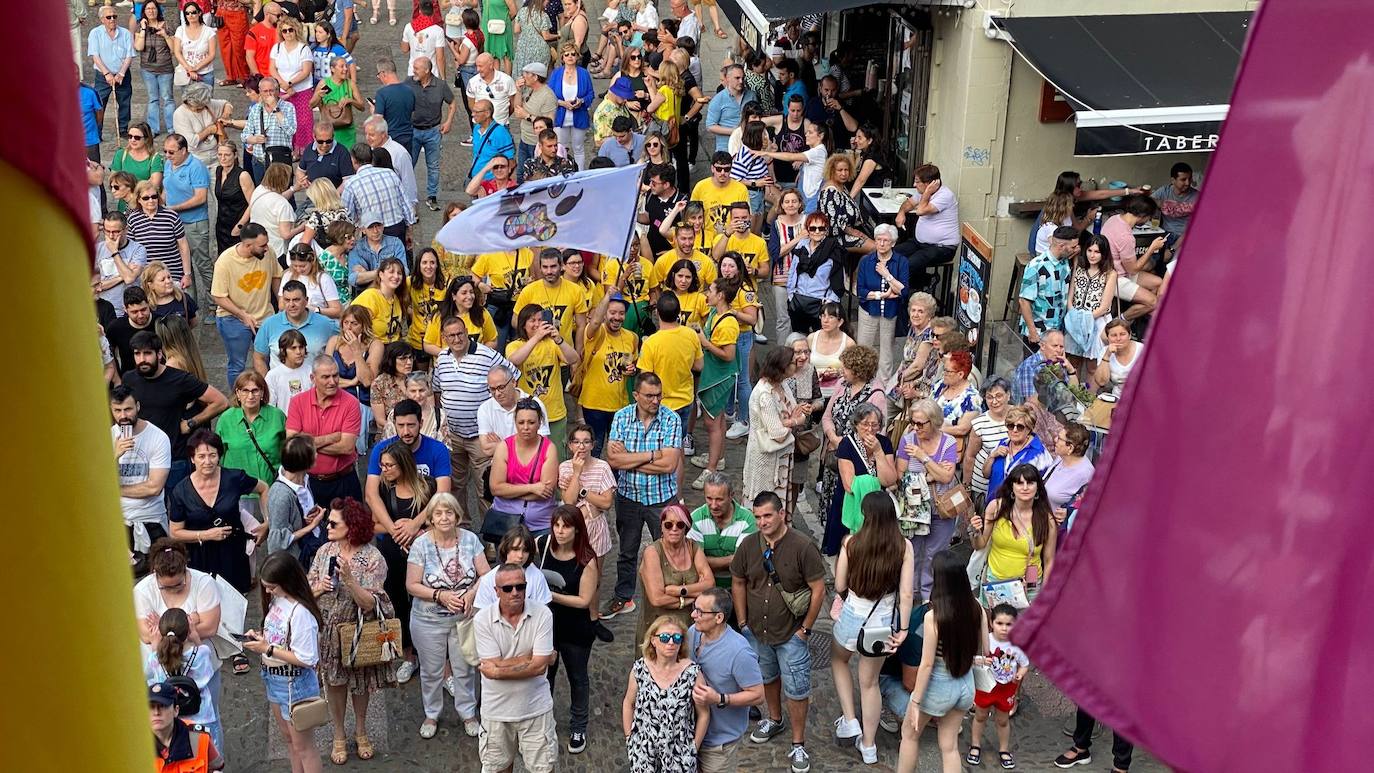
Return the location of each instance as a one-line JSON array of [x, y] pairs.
[[1159, 130]]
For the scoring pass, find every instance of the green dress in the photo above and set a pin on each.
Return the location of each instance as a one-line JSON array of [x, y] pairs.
[[334, 93], [498, 46]]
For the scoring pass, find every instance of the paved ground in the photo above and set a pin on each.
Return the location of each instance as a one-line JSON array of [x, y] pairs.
[[253, 745]]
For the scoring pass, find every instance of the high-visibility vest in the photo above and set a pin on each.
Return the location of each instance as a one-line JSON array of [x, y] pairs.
[[200, 763]]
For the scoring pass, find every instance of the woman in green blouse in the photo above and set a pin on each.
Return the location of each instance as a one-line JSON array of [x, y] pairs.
[[253, 431]]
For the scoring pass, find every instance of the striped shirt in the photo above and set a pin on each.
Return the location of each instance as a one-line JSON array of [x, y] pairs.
[[374, 189], [462, 385], [664, 431], [991, 432], [748, 166], [719, 542], [159, 235]]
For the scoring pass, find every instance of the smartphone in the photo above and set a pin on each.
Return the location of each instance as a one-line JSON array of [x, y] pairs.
[[547, 316], [1169, 239], [238, 637], [126, 431], [333, 566]]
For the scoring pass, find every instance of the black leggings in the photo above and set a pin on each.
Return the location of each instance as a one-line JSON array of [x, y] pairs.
[[1122, 749], [395, 585], [575, 657]]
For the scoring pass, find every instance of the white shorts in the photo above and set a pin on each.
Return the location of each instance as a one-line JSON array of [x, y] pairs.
[[1126, 287]]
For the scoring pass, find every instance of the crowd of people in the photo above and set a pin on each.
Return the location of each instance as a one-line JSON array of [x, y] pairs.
[[431, 446]]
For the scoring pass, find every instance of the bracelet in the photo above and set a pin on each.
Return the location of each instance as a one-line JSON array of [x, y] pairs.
[[436, 596], [681, 602]]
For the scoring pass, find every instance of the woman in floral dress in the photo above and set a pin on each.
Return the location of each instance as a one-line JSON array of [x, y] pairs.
[[663, 726], [530, 44]]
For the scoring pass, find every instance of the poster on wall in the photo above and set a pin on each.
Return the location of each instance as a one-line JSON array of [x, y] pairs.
[[971, 297]]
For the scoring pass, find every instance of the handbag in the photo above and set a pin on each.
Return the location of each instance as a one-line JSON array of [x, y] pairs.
[[340, 115], [954, 502], [465, 632], [233, 608], [806, 444], [983, 680], [306, 713], [798, 602], [872, 640], [371, 642], [496, 26]]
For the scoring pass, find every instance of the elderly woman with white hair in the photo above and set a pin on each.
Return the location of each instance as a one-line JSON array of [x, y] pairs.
[[926, 457], [805, 386], [879, 291], [196, 120]]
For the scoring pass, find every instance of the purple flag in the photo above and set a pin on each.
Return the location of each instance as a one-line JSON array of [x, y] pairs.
[[1215, 591]]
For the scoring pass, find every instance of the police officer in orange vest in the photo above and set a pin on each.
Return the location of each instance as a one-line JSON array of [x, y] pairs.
[[181, 747]]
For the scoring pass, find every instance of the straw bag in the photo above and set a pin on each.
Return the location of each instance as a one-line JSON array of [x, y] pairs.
[[371, 642]]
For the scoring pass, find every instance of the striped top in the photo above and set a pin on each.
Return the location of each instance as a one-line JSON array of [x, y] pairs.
[[462, 385], [158, 235], [748, 166], [992, 432]]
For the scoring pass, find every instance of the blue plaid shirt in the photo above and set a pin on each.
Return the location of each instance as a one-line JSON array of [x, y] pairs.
[[1023, 380], [280, 127], [373, 188], [665, 431]]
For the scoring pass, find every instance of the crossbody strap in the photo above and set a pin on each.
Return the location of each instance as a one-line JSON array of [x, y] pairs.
[[253, 438]]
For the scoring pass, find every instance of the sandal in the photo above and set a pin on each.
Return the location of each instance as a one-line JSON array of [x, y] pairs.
[[720, 33], [1008, 761], [975, 755], [240, 662], [339, 753], [365, 751]]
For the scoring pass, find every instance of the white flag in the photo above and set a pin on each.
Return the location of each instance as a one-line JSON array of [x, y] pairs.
[[592, 210]]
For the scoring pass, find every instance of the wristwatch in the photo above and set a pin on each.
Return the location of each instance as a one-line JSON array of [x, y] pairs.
[[806, 630], [682, 591], [191, 425], [724, 701]]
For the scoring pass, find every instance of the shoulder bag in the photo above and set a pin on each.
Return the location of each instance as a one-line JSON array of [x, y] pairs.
[[306, 713], [340, 114], [873, 638], [370, 643], [233, 607], [955, 501], [798, 601]]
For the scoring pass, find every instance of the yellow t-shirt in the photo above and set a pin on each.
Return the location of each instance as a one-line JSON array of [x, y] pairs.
[[636, 290], [594, 291], [566, 300], [541, 375], [670, 354], [504, 270], [388, 322], [753, 249], [726, 331], [693, 308], [248, 282], [667, 110], [1007, 554], [746, 297], [706, 268], [453, 263], [424, 311], [603, 382], [485, 333], [717, 202]]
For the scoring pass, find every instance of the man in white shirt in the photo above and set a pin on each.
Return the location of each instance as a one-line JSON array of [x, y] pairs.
[[515, 648], [492, 85], [428, 43], [937, 233], [144, 455], [378, 136], [496, 416]]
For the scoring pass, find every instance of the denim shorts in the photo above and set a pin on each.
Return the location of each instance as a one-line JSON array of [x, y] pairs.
[[282, 691], [846, 629], [946, 693], [792, 661]]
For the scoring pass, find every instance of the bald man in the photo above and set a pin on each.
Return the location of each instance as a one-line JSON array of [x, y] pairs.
[[377, 134], [257, 44], [489, 138], [431, 94], [491, 84]]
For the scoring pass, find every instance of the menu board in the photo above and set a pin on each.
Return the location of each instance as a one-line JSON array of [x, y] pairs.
[[971, 291]]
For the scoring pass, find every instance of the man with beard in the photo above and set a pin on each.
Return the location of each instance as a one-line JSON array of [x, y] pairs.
[[144, 456], [163, 394], [138, 315], [610, 352], [564, 297]]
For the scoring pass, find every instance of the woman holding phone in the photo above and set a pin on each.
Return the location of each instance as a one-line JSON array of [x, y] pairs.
[[204, 509]]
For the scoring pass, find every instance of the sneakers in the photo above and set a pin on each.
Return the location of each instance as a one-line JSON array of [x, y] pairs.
[[1079, 758], [847, 731], [448, 685], [700, 483], [890, 722], [428, 728], [801, 761], [700, 461], [405, 672], [767, 729], [466, 141], [760, 338], [868, 753], [737, 431], [617, 607], [577, 743], [432, 203], [689, 446], [602, 632], [472, 727], [804, 506]]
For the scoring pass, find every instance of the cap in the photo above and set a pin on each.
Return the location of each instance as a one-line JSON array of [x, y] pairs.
[[623, 88], [774, 51], [163, 694], [537, 68], [370, 217]]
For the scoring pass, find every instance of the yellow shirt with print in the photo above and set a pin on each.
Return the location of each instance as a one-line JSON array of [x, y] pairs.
[[692, 308], [504, 270], [717, 202], [541, 375], [636, 288], [670, 354], [424, 312], [485, 333], [388, 322], [565, 299], [247, 282], [603, 381], [594, 291], [746, 297], [753, 249], [706, 268]]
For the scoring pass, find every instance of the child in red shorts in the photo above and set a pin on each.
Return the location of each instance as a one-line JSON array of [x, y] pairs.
[[1009, 665]]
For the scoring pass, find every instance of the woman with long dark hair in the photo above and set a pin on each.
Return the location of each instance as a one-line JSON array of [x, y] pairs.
[[1019, 527], [567, 552], [462, 299], [404, 493], [290, 650], [876, 584], [955, 633]]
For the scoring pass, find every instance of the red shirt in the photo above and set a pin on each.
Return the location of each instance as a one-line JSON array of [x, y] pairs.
[[341, 414], [259, 41]]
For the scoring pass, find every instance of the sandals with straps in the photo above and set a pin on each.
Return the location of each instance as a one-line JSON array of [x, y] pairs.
[[974, 756]]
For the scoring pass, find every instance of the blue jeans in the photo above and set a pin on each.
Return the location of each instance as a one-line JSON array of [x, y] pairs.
[[739, 401], [124, 93], [430, 141], [523, 153], [160, 102], [238, 339]]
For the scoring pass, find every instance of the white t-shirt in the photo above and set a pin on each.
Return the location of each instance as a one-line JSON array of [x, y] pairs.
[[1005, 659], [196, 662], [152, 451], [498, 92], [269, 209], [536, 592], [284, 383], [690, 27], [202, 599], [424, 43], [941, 227], [304, 629], [648, 18], [196, 51], [318, 291], [492, 418], [813, 170], [290, 64], [464, 42]]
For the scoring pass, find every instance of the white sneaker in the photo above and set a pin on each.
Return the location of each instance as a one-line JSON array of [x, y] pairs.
[[473, 727], [848, 731], [760, 338], [737, 431], [448, 685], [700, 483], [405, 672], [868, 753], [689, 446], [700, 461], [820, 487]]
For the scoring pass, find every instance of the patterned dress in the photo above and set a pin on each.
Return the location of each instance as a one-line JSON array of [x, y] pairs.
[[530, 45], [662, 735], [337, 606], [767, 460]]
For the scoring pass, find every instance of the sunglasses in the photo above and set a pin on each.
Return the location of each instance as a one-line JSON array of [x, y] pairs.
[[675, 525], [652, 145], [133, 136], [154, 197], [665, 638], [517, 587], [817, 229], [111, 16], [920, 424], [1022, 427], [331, 523], [720, 168]]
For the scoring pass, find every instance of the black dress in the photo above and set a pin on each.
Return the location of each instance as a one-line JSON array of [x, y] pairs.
[[232, 205], [227, 558]]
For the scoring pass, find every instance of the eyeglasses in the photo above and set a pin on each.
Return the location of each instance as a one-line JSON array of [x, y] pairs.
[[1019, 426], [700, 611], [665, 638], [653, 145], [817, 229], [154, 197], [497, 387], [518, 587], [920, 424], [250, 390], [675, 525]]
